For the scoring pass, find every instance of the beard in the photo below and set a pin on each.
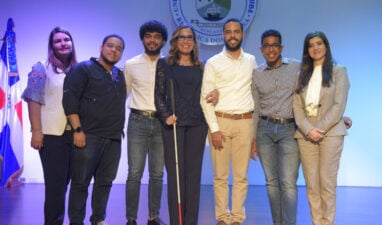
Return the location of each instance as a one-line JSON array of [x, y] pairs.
[[233, 48], [108, 62], [152, 52]]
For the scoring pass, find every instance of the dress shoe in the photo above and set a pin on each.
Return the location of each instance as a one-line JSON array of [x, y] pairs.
[[131, 222], [155, 221]]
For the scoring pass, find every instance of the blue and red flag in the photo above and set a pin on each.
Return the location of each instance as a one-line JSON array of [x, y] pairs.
[[11, 132]]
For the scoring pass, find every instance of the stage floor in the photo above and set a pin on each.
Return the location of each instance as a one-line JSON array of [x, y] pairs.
[[23, 205]]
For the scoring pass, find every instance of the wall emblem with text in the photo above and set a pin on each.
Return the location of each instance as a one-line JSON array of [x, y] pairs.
[[208, 16]]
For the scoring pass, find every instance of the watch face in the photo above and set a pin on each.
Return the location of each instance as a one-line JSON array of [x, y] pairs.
[[78, 129]]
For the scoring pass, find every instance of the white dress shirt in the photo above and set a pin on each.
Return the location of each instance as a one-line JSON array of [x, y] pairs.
[[139, 73], [313, 91], [233, 79]]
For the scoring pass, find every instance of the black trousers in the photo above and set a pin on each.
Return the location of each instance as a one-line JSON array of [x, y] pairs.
[[55, 160], [191, 142]]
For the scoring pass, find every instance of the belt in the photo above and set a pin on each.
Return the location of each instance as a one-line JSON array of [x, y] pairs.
[[247, 115], [150, 114], [277, 120]]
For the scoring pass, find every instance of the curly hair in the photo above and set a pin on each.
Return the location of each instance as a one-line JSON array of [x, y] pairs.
[[153, 26]]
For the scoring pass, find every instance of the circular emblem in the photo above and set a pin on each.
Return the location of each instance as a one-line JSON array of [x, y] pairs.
[[208, 16]]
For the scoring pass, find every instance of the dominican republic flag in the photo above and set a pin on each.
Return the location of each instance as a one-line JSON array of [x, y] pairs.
[[11, 129]]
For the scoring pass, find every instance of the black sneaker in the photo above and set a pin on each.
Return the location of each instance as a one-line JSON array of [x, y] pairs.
[[131, 222], [155, 221]]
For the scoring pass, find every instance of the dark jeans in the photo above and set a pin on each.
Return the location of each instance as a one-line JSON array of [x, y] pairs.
[[55, 160], [144, 139], [99, 159], [191, 142], [279, 156]]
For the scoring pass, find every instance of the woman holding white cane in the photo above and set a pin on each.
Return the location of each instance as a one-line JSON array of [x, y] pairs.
[[177, 96]]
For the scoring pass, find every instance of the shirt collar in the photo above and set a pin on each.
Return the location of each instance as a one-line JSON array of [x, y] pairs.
[[147, 57], [284, 61], [225, 52]]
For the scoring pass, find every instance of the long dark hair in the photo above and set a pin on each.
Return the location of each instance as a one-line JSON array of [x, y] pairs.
[[173, 55], [307, 66], [52, 58]]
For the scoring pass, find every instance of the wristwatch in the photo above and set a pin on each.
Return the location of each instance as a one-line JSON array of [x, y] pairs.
[[78, 130]]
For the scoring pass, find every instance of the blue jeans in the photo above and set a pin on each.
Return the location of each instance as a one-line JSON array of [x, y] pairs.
[[99, 159], [279, 156], [144, 138]]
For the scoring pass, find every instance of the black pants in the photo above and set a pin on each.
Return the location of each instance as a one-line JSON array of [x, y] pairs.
[[55, 160], [191, 142]]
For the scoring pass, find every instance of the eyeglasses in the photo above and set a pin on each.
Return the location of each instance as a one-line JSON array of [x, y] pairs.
[[271, 46], [185, 38]]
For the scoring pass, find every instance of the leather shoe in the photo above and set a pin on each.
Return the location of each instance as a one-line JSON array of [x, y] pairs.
[[155, 221], [131, 222]]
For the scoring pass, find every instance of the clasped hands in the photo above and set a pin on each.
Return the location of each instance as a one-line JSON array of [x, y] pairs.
[[316, 134]]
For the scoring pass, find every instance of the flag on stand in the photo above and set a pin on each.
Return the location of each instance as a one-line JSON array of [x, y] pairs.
[[11, 132]]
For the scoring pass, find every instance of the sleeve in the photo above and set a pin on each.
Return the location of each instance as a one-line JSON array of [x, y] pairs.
[[336, 111], [256, 99], [128, 78], [74, 86], [35, 89], [208, 85], [160, 93]]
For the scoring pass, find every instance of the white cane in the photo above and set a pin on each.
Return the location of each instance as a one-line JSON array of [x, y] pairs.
[[176, 152]]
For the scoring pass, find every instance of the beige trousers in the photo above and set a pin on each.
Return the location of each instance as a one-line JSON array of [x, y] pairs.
[[236, 152], [320, 164]]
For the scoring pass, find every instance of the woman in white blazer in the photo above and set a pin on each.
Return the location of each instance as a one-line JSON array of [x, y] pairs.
[[319, 104]]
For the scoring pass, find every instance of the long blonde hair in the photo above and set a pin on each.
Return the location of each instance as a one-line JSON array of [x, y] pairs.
[[173, 55]]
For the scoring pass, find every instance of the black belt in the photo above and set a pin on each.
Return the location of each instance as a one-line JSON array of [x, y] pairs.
[[150, 114], [277, 120]]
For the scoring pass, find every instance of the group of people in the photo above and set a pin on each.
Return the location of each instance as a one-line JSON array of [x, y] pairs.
[[281, 112]]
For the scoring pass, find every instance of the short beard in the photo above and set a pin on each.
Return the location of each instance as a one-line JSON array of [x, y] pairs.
[[108, 62], [232, 49], [152, 53]]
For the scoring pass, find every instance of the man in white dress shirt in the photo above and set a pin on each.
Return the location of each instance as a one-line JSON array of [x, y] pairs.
[[230, 121], [144, 128]]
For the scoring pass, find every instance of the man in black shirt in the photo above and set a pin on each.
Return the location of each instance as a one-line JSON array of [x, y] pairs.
[[94, 101]]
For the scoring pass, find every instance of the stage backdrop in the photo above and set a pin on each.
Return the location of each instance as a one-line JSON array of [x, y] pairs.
[[352, 26]]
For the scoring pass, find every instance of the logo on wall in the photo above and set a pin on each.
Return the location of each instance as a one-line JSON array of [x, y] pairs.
[[208, 16]]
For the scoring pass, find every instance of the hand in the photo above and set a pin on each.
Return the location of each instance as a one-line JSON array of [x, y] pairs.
[[37, 141], [171, 120], [79, 139], [213, 97], [217, 140], [254, 154], [316, 134], [348, 122]]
